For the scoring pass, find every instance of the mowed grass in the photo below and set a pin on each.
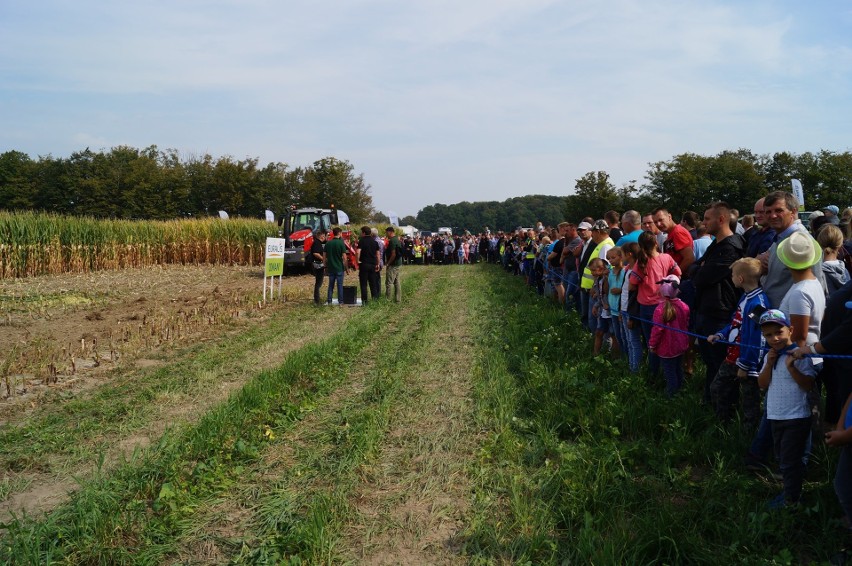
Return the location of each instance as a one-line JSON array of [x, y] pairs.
[[586, 463]]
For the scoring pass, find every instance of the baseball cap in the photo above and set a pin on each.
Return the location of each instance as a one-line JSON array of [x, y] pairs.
[[774, 316], [584, 226], [831, 208], [601, 225]]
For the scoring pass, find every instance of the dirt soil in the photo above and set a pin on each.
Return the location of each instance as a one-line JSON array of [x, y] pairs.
[[65, 332]]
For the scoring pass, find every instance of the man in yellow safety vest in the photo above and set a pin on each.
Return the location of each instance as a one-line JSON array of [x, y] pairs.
[[601, 243]]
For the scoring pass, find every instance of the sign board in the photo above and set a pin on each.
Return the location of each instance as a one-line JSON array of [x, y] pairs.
[[274, 257]]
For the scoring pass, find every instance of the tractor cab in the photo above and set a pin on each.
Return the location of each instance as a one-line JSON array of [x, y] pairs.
[[298, 228]]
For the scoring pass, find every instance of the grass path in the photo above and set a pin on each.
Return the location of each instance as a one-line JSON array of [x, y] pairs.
[[376, 472], [412, 498]]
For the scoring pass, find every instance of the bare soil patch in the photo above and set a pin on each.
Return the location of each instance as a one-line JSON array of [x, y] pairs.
[[65, 333]]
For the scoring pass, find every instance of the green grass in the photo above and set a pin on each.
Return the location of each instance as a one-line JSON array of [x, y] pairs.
[[587, 463]]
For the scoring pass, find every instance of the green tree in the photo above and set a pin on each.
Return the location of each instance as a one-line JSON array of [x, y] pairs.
[[17, 181], [333, 181], [594, 194]]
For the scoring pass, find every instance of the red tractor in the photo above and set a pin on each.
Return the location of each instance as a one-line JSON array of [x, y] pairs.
[[298, 228]]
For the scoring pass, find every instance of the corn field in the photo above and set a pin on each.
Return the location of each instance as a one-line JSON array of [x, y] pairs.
[[34, 243]]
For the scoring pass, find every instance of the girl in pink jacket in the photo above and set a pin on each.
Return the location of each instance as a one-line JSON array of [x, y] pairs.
[[670, 316]]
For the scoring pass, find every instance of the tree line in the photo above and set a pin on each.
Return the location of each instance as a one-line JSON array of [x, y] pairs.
[[476, 216], [686, 182], [149, 183], [152, 184], [689, 181]]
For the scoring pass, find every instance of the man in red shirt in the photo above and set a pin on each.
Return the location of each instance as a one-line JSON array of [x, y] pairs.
[[678, 242]]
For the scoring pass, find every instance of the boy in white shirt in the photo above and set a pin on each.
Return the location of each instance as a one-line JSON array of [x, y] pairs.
[[787, 382]]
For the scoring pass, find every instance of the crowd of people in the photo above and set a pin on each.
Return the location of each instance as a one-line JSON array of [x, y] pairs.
[[765, 302]]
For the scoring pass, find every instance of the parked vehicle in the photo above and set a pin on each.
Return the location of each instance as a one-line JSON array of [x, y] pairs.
[[298, 228]]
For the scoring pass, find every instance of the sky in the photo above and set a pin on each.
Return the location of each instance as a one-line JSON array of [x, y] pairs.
[[436, 101]]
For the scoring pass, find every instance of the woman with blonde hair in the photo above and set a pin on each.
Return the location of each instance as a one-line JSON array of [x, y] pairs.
[[830, 239]]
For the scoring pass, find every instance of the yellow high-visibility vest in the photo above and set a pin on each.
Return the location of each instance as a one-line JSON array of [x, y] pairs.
[[589, 279]]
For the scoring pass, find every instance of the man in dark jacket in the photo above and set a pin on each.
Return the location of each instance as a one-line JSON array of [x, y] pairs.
[[715, 295]]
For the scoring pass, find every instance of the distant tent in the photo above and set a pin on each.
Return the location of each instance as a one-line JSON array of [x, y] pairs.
[[223, 215]]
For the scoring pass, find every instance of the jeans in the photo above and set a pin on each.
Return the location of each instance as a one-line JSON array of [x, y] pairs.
[[335, 279], [673, 372], [616, 328], [633, 338], [591, 319], [790, 440], [572, 294], [646, 313]]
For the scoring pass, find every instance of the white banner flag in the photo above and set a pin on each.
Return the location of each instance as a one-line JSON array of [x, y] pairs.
[[223, 215], [342, 217], [393, 218], [798, 191], [270, 216]]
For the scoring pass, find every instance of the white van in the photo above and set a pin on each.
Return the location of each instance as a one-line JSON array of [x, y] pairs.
[[445, 231]]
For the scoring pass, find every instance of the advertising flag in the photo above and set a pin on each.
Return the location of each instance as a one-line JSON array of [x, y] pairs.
[[798, 191]]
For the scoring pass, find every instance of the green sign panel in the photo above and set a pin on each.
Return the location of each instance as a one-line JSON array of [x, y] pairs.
[[274, 266]]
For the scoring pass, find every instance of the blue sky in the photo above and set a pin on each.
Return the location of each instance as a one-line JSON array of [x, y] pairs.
[[433, 101]]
